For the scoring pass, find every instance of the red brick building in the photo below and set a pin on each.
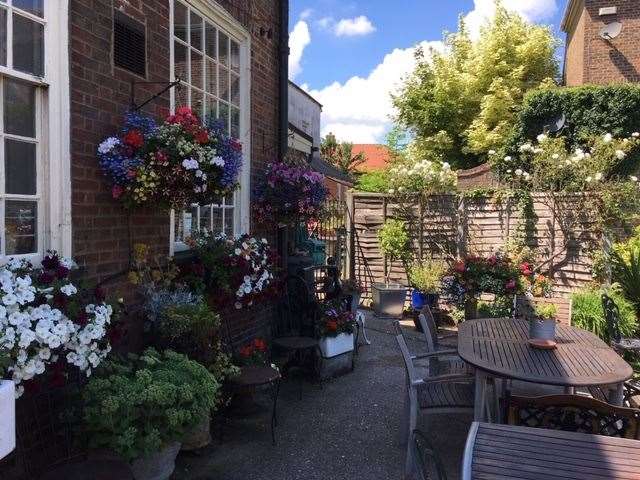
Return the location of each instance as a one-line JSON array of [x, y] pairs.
[[58, 106], [591, 55]]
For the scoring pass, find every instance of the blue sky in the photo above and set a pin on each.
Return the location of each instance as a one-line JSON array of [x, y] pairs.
[[351, 54]]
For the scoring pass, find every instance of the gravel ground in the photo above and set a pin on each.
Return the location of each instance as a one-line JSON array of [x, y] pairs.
[[349, 429]]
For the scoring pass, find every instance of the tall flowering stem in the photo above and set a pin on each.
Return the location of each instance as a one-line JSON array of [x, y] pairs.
[[289, 195], [172, 165]]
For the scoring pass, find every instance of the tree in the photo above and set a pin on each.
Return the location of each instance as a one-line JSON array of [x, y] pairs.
[[462, 102], [340, 154]]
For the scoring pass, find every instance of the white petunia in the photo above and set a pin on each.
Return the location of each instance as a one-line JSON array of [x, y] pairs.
[[108, 145], [620, 155], [607, 138], [542, 137], [69, 289]]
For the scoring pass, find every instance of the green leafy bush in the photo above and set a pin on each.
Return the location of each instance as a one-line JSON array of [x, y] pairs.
[[501, 307], [375, 182], [546, 311], [588, 313], [394, 241], [193, 330], [590, 110], [427, 275], [626, 272], [138, 406]]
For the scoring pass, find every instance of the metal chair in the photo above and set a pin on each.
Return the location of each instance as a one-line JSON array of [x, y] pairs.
[[452, 393], [323, 282], [616, 340], [294, 328], [574, 413], [428, 463]]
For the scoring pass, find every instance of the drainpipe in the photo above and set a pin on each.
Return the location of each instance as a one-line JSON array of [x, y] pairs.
[[283, 130]]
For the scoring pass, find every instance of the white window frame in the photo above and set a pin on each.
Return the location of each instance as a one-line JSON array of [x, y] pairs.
[[231, 27], [53, 130]]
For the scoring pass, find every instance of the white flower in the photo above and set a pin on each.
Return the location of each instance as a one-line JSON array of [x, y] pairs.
[[519, 172], [507, 158], [492, 152], [620, 154], [635, 134], [541, 138], [589, 179], [555, 156], [217, 161], [598, 177], [391, 191], [633, 178], [108, 145], [607, 138], [69, 289], [190, 164]]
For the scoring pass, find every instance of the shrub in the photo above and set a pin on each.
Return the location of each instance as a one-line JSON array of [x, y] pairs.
[[376, 182], [427, 276], [138, 406], [626, 272], [394, 241], [589, 110], [588, 313], [546, 311]]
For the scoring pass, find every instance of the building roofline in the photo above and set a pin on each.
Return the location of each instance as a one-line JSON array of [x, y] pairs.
[[569, 14], [305, 93]]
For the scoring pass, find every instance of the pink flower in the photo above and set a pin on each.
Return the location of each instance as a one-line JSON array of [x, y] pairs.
[[117, 191], [511, 285]]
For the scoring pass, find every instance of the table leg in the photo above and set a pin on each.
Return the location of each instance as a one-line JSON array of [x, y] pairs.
[[275, 391], [616, 396], [479, 402]]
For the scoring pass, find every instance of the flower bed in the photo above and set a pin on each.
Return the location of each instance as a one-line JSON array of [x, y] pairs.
[[171, 165]]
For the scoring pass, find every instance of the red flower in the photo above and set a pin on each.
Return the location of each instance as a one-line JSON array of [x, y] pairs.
[[247, 351], [525, 269], [133, 138], [332, 326], [459, 266], [202, 137], [117, 191], [492, 260], [260, 344], [511, 285]]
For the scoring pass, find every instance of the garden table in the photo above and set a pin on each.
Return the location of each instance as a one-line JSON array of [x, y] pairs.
[[498, 348], [499, 452]]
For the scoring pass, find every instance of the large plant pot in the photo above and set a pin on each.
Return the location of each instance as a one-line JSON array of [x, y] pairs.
[[7, 417], [388, 300], [420, 299], [334, 346], [156, 466], [199, 437], [542, 329]]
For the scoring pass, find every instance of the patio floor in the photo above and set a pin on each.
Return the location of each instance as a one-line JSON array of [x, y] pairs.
[[349, 429]]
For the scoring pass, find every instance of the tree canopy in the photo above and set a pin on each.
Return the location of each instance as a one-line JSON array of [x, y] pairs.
[[340, 154], [462, 102]]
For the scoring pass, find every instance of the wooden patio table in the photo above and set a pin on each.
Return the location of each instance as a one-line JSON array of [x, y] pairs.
[[499, 452], [499, 348]]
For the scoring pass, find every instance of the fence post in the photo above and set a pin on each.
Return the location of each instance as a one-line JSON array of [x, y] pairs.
[[351, 225], [463, 229], [384, 220], [421, 228]]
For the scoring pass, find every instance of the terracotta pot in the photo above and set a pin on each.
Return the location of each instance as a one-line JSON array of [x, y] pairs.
[[158, 465]]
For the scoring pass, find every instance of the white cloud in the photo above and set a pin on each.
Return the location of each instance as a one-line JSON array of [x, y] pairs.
[[325, 22], [359, 110], [299, 38], [531, 10], [351, 27], [305, 14]]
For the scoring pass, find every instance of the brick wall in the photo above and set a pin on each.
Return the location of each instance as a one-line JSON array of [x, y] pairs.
[[592, 59], [103, 231]]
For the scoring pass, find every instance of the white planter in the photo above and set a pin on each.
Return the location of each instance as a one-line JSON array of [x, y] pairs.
[[334, 346], [388, 300], [156, 466], [7, 417]]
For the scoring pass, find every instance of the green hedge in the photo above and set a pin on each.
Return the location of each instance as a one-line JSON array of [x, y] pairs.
[[590, 110]]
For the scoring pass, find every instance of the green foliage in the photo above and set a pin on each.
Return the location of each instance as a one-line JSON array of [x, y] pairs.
[[601, 263], [500, 308], [588, 312], [340, 155], [590, 110], [427, 275], [193, 330], [136, 407], [546, 311], [626, 272], [394, 241], [376, 182], [463, 101]]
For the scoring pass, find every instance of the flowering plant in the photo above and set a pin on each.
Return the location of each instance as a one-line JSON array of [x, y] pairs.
[[45, 319], [470, 277], [253, 353], [335, 319], [290, 195], [534, 284], [423, 177], [174, 164], [231, 270]]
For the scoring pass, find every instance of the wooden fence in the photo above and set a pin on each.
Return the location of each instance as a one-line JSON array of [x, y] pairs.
[[449, 225]]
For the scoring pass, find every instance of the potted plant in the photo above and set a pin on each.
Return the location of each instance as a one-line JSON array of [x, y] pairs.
[[336, 327], [354, 289], [426, 279], [543, 325], [389, 298], [142, 407]]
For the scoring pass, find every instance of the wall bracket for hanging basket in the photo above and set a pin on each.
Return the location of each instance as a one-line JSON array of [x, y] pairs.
[[168, 86]]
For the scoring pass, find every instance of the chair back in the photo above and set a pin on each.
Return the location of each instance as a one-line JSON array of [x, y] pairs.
[[297, 310], [412, 374], [428, 463], [323, 281], [574, 413], [429, 328], [612, 316]]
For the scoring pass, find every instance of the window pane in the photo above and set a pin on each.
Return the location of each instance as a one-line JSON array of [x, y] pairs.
[[211, 108], [3, 37], [235, 56], [28, 45], [32, 6], [205, 218], [196, 31], [21, 220], [235, 89], [197, 102], [20, 167], [223, 48], [182, 96], [19, 108], [212, 78], [180, 69], [235, 122], [223, 84], [211, 41], [228, 221], [180, 21], [223, 115], [216, 215], [197, 67]]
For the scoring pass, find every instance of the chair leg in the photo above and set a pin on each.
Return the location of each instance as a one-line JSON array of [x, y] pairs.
[[410, 461], [404, 421]]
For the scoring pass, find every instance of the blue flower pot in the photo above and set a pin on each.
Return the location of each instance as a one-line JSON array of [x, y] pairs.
[[420, 299]]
